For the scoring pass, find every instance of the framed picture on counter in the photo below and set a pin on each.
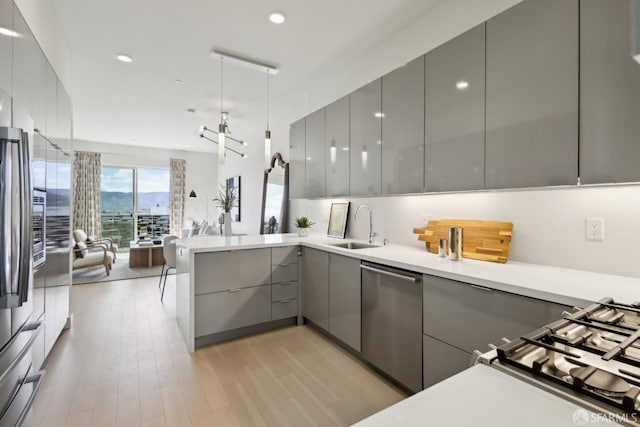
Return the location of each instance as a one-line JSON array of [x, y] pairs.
[[338, 220]]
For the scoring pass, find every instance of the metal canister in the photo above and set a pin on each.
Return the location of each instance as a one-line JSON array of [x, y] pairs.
[[455, 243], [442, 248]]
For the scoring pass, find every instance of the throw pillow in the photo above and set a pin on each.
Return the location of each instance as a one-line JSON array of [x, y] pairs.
[[77, 253], [83, 246]]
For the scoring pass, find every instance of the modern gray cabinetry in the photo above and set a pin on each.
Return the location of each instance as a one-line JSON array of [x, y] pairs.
[[284, 278], [315, 154], [336, 148], [609, 95], [345, 300], [403, 129], [225, 270], [6, 53], [316, 287], [297, 168], [459, 318], [454, 113], [532, 95], [366, 140]]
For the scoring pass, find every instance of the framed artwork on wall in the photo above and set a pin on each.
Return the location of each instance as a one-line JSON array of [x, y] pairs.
[[338, 220], [234, 183]]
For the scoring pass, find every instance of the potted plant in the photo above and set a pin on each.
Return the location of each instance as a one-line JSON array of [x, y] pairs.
[[303, 225], [227, 200]]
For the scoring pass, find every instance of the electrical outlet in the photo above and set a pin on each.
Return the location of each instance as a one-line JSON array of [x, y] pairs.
[[595, 229], [426, 217]]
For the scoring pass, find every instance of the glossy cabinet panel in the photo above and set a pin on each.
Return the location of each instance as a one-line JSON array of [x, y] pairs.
[[366, 140], [403, 129], [609, 95], [297, 153], [345, 303], [315, 154], [5, 109], [229, 270], [39, 87], [315, 289], [336, 148], [51, 100], [6, 53], [532, 95], [24, 54], [454, 113], [441, 361]]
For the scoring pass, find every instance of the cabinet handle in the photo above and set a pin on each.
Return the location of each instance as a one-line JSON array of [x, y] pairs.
[[234, 290], [284, 301], [288, 283], [482, 288], [391, 274]]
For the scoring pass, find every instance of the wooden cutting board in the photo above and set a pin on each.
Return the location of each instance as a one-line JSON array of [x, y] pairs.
[[481, 240]]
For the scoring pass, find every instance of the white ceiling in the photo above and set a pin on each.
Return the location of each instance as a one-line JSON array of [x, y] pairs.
[[140, 104]]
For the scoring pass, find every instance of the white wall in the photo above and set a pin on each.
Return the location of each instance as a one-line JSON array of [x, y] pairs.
[[201, 176], [549, 224]]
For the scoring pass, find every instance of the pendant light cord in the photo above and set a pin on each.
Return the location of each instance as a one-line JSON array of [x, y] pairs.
[[268, 99], [221, 89]]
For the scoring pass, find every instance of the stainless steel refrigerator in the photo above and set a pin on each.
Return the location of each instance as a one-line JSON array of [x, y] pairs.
[[19, 381]]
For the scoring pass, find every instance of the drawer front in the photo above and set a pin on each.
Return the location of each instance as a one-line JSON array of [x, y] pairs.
[[284, 273], [280, 291], [223, 311], [221, 271], [441, 361], [284, 255], [470, 317], [283, 309]]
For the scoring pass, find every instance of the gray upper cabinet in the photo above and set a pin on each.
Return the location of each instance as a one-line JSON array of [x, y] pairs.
[[315, 154], [297, 180], [532, 95], [39, 83], [24, 53], [315, 289], [6, 48], [366, 140], [454, 113], [609, 95], [345, 303], [51, 100], [336, 148], [403, 129]]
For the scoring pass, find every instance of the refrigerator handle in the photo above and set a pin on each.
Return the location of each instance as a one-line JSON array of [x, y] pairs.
[[26, 218], [5, 221]]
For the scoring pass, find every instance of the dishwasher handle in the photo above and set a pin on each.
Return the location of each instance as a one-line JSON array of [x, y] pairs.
[[404, 277]]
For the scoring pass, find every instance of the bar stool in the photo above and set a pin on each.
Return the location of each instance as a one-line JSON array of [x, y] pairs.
[[169, 254]]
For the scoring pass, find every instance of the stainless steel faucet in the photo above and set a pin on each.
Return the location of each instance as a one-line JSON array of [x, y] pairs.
[[371, 233]]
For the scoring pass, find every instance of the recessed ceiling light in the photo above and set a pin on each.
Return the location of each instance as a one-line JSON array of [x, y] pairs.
[[462, 84], [124, 57], [277, 17], [379, 114], [178, 81], [7, 32]]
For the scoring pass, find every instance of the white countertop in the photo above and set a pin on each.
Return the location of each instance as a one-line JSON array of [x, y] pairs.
[[560, 285], [483, 396]]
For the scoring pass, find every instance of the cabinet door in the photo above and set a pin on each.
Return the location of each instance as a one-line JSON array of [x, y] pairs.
[[51, 99], [6, 48], [297, 172], [403, 129], [345, 308], [470, 317], [315, 287], [366, 140], [39, 85], [24, 48], [315, 154], [454, 113], [336, 148], [224, 270], [532, 95], [609, 95], [441, 361]]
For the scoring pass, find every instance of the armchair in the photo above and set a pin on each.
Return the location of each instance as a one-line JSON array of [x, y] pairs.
[[95, 244], [83, 258]]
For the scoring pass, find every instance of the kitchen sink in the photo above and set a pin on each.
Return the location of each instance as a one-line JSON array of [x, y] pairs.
[[354, 245]]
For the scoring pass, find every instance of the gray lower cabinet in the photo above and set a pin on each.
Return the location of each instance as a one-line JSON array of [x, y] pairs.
[[336, 148], [345, 300], [316, 286], [225, 270], [403, 129], [470, 317], [297, 154], [454, 113], [441, 361], [284, 288], [315, 154], [532, 95], [366, 140], [609, 94], [232, 309]]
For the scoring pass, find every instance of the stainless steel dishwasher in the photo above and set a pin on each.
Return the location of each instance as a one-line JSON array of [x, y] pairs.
[[392, 322]]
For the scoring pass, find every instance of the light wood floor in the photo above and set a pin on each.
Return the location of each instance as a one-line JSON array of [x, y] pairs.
[[124, 363]]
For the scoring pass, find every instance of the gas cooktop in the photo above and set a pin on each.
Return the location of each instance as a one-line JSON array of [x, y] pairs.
[[591, 356]]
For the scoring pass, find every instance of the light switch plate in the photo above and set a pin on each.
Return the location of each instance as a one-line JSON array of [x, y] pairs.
[[594, 229]]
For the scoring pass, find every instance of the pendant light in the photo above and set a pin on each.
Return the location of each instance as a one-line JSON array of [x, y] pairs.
[[221, 127], [267, 133]]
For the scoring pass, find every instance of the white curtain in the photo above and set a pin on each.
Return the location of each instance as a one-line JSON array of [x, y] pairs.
[[86, 195], [177, 185]]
